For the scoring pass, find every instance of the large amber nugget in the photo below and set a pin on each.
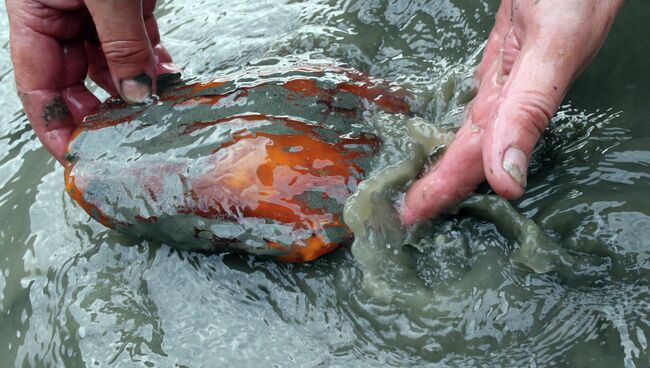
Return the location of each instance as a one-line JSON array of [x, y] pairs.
[[260, 162]]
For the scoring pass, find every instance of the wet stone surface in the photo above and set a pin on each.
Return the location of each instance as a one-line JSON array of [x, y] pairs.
[[260, 162]]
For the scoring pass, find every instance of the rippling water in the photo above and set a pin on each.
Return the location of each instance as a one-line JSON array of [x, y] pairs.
[[75, 293]]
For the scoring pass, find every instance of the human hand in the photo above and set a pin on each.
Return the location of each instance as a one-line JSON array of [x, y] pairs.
[[533, 54], [55, 44]]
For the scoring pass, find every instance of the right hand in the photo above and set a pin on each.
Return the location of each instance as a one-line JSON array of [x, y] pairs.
[[534, 52], [55, 44]]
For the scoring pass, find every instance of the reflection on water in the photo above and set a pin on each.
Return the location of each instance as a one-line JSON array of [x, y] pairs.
[[74, 293]]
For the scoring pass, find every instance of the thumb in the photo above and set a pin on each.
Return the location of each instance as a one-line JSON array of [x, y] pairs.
[[531, 95], [124, 42]]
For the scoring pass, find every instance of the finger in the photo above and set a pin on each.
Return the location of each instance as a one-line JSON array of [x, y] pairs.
[[48, 74], [125, 44], [56, 111], [98, 70], [536, 74], [78, 99], [162, 58], [460, 170], [164, 63], [98, 67], [531, 95]]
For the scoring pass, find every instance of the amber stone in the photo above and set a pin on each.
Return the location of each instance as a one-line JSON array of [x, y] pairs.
[[260, 161]]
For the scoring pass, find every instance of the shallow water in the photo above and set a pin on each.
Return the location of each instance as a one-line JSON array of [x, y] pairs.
[[75, 293]]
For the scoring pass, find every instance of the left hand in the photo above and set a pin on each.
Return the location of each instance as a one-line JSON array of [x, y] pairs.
[[56, 44]]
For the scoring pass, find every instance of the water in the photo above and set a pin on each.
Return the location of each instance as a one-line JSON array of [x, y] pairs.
[[74, 293]]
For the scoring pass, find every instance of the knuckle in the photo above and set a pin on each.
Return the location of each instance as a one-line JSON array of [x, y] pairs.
[[51, 18], [126, 52], [533, 110], [37, 17], [62, 4]]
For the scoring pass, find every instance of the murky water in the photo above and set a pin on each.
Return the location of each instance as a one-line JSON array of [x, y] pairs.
[[74, 293]]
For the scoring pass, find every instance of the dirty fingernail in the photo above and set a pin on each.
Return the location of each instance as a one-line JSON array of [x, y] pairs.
[[515, 162], [137, 90]]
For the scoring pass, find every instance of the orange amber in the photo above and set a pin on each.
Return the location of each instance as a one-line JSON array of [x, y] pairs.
[[263, 166]]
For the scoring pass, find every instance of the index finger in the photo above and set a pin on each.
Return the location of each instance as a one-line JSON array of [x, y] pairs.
[[458, 173], [460, 170]]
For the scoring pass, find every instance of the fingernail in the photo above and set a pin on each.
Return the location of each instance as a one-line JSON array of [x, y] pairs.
[[137, 90], [169, 68], [515, 162]]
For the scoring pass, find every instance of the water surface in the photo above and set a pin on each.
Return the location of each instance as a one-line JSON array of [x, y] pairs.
[[74, 293]]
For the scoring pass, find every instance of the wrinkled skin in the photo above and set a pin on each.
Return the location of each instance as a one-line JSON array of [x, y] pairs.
[[260, 162], [56, 44], [534, 52]]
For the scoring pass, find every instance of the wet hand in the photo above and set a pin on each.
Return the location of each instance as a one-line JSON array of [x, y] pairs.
[[534, 52], [55, 44]]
